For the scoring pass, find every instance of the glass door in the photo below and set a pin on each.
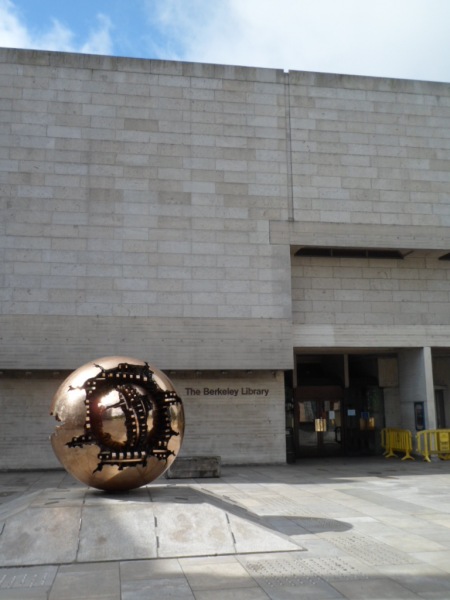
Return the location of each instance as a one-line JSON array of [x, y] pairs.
[[318, 420], [440, 408]]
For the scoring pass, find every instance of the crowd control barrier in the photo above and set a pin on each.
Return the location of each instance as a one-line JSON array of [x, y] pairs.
[[397, 440], [434, 442]]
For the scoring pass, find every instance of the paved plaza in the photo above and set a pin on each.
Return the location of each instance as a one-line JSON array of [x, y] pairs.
[[319, 529]]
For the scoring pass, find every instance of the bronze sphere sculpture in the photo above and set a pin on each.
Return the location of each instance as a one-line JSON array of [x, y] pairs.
[[121, 423]]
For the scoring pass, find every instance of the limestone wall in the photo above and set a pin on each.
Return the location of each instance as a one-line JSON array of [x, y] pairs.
[[136, 199], [238, 416], [370, 151], [413, 291], [153, 204]]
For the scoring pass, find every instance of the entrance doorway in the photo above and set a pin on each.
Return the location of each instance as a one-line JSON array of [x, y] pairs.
[[440, 408], [338, 405], [318, 418]]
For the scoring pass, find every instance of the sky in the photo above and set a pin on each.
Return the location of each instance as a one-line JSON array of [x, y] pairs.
[[407, 39]]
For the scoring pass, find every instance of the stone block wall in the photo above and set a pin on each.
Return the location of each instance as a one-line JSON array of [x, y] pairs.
[[152, 208], [370, 150], [349, 291], [149, 208], [136, 196], [26, 422], [238, 416]]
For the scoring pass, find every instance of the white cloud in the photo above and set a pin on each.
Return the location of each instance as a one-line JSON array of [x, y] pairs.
[[99, 41], [392, 38], [14, 34], [178, 28], [57, 37]]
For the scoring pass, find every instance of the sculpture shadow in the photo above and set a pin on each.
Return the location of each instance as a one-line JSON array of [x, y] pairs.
[[286, 524]]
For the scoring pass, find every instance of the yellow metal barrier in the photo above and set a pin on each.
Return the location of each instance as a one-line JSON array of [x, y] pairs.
[[434, 442], [397, 440]]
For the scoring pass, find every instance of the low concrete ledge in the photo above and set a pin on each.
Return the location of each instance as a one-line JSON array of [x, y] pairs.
[[194, 467]]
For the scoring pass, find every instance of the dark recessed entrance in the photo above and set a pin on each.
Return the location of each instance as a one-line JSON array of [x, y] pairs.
[[319, 420], [337, 406]]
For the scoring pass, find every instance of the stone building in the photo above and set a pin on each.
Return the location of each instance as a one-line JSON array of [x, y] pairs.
[[277, 242]]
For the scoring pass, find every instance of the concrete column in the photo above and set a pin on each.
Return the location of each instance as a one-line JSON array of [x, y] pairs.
[[416, 385]]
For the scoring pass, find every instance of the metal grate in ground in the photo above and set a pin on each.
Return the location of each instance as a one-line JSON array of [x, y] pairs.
[[27, 577]]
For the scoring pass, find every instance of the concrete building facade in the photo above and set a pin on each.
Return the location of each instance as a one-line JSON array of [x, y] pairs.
[[277, 242]]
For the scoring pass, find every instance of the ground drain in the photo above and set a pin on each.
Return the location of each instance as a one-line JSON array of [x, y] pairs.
[[27, 577]]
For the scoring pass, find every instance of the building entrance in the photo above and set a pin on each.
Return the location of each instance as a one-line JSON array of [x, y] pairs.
[[319, 420], [440, 408], [338, 406]]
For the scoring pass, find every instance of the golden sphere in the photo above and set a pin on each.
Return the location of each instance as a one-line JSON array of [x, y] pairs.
[[121, 423]]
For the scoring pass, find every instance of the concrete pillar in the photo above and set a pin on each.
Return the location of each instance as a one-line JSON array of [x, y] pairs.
[[416, 385]]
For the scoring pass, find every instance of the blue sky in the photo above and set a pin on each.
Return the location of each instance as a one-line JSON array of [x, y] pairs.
[[385, 38]]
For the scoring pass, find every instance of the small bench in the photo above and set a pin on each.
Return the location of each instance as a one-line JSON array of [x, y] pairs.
[[194, 467]]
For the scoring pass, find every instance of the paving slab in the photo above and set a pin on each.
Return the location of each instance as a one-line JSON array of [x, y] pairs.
[[117, 532], [253, 593], [285, 577], [374, 589], [426, 581], [96, 581], [216, 575], [40, 536], [318, 529], [164, 568], [175, 589], [192, 530], [72, 524]]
